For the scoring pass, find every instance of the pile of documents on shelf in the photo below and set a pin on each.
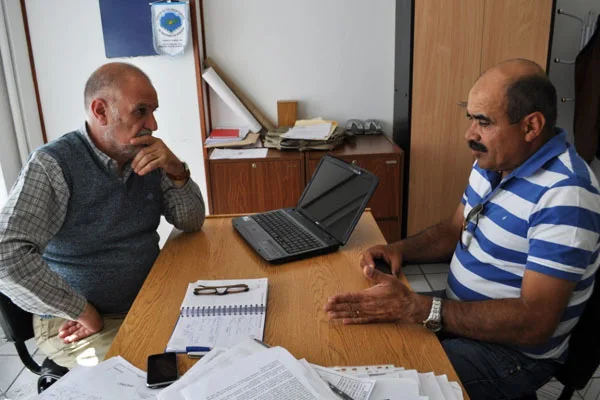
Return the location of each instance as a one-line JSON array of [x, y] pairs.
[[232, 137], [311, 134], [252, 371]]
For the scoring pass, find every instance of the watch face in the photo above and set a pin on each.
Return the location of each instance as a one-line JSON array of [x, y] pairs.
[[434, 326]]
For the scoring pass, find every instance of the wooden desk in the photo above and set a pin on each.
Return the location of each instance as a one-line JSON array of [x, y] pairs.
[[297, 293]]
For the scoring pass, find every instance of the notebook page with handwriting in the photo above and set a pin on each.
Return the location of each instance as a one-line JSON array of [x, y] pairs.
[[212, 320]]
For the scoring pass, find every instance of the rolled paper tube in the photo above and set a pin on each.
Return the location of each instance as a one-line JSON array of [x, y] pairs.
[[250, 106]]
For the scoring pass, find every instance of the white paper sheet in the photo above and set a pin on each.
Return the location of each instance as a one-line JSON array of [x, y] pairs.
[[219, 154], [366, 369], [446, 387], [458, 393], [310, 132], [357, 388], [317, 382], [430, 386], [221, 88], [112, 379], [217, 358], [270, 374], [392, 389]]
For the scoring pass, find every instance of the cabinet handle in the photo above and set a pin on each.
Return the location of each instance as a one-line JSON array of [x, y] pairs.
[[391, 162], [253, 165]]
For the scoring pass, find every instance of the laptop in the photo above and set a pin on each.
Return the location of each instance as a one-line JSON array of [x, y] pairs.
[[323, 220]]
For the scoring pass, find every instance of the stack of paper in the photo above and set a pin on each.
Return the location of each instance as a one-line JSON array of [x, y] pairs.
[[391, 380], [252, 371], [225, 135], [311, 129], [249, 141], [219, 154], [112, 379]]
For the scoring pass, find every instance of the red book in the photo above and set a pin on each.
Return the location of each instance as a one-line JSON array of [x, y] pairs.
[[225, 133]]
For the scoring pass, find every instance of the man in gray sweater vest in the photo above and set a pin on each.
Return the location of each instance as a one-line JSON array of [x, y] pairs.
[[78, 232]]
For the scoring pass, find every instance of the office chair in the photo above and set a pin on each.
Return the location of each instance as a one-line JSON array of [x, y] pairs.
[[584, 348], [18, 327]]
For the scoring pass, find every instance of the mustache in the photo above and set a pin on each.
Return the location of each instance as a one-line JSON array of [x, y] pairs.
[[473, 145], [144, 132]]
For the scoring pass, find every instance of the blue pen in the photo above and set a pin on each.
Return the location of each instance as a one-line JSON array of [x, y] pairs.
[[189, 349]]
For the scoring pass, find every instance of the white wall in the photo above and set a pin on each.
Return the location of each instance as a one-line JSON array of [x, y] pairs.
[[67, 47], [335, 56], [9, 152], [21, 128]]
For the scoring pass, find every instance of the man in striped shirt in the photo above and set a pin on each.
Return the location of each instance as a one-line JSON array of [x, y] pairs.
[[523, 242]]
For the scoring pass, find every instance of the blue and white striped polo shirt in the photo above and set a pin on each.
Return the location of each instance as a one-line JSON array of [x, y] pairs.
[[544, 216]]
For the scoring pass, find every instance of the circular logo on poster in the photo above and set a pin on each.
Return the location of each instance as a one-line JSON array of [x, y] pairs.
[[170, 22]]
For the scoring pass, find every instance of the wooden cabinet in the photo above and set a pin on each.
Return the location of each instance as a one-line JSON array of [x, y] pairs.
[[454, 42], [255, 185], [384, 159]]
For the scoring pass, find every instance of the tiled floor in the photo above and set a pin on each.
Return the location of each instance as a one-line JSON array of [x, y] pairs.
[[16, 382]]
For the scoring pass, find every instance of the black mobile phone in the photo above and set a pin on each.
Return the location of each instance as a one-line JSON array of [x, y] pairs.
[[162, 369], [382, 265]]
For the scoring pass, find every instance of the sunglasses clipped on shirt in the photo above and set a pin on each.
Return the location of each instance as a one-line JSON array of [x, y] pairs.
[[465, 235]]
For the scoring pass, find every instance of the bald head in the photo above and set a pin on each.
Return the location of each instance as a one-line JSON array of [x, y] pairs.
[[107, 81], [521, 87]]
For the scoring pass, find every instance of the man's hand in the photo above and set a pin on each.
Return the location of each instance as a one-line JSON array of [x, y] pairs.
[[155, 155], [88, 323], [389, 300], [390, 254]]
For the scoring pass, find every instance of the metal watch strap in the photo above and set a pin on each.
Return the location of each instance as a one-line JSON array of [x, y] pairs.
[[434, 320]]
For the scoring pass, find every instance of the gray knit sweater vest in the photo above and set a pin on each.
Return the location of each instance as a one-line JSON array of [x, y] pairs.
[[108, 242]]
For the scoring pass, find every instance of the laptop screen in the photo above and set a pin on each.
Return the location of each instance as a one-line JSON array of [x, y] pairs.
[[336, 196]]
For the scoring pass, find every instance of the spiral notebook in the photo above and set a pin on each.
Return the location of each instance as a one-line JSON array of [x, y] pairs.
[[223, 321]]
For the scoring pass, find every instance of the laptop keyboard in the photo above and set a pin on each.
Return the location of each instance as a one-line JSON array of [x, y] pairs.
[[289, 236]]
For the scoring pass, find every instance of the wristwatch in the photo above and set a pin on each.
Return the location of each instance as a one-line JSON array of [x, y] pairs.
[[434, 320], [184, 176]]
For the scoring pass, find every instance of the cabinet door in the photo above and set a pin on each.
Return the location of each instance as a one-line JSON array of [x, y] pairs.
[[255, 185], [446, 62], [390, 229], [277, 184], [385, 202], [231, 188], [516, 29]]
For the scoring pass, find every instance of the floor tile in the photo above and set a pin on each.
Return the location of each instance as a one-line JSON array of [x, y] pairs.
[[418, 283], [437, 281], [25, 386], [593, 389], [550, 391], [8, 349], [411, 269], [435, 268], [10, 367]]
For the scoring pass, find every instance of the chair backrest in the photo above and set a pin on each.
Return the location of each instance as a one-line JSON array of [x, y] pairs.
[[16, 323], [584, 346]]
